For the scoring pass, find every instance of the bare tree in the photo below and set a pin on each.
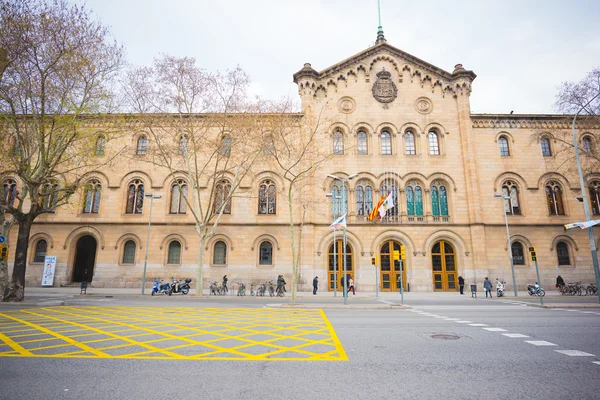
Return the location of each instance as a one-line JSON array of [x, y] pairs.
[[56, 81]]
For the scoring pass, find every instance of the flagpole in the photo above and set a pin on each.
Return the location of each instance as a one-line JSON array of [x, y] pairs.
[[345, 276], [334, 264]]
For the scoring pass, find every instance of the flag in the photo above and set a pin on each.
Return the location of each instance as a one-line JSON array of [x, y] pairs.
[[387, 205], [582, 225], [339, 223], [375, 210]]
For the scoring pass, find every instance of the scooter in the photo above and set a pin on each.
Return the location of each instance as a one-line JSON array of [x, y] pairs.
[[536, 290], [163, 288], [500, 289], [183, 288]]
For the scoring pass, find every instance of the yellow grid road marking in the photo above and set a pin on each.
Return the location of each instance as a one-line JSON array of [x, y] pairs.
[[176, 333]]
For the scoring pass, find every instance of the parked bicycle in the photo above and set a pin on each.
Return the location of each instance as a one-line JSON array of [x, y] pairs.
[[241, 289]]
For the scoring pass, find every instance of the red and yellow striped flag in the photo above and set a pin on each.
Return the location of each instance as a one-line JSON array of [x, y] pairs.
[[375, 210]]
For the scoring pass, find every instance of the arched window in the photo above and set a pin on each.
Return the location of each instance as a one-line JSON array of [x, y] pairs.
[[267, 198], [129, 252], [414, 199], [364, 199], [338, 143], [222, 189], [265, 253], [100, 142], [554, 198], [40, 251], [9, 192], [142, 146], [595, 197], [503, 143], [439, 199], [386, 143], [174, 255], [135, 197], [226, 146], [183, 145], [339, 199], [220, 253], [562, 253], [93, 193], [179, 191], [511, 206], [546, 151], [409, 140], [389, 186], [362, 143], [518, 254], [49, 196], [434, 144], [586, 143]]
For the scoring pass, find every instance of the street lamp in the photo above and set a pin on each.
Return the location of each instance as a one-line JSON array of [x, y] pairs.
[[586, 204], [512, 265], [152, 197], [330, 195], [344, 180]]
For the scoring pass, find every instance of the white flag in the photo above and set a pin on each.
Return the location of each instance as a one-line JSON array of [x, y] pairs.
[[582, 225], [387, 205], [339, 223]]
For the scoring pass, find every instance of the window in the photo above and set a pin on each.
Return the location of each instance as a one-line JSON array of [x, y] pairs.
[[226, 146], [439, 199], [9, 192], [562, 253], [100, 142], [364, 199], [183, 145], [266, 254], [40, 251], [387, 187], [269, 145], [434, 145], [595, 197], [362, 143], [409, 140], [135, 197], [222, 189], [503, 143], [142, 146], [339, 199], [546, 152], [93, 192], [518, 254], [49, 197], [414, 199], [267, 197], [129, 252], [554, 198], [338, 143], [386, 143], [511, 206], [174, 255], [220, 253], [179, 192], [586, 143]]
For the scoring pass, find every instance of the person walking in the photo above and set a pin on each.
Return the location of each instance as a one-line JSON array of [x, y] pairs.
[[351, 286], [487, 287], [225, 283], [461, 284], [315, 284]]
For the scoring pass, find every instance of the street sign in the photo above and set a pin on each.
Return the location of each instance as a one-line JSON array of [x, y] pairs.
[[2, 239]]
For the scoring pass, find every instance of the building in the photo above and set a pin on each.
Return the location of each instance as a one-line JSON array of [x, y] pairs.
[[399, 125]]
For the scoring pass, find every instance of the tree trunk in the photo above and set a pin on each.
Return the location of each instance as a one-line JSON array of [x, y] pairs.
[[16, 291], [199, 278], [6, 226], [293, 240]]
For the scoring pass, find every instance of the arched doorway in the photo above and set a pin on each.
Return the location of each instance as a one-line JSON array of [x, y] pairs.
[[391, 267], [85, 259], [443, 261], [337, 262]]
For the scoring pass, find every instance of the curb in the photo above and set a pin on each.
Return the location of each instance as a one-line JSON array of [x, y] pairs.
[[342, 307], [564, 305]]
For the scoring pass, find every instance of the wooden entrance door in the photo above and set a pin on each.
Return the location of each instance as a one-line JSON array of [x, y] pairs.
[[390, 270], [85, 259], [443, 261], [337, 262]]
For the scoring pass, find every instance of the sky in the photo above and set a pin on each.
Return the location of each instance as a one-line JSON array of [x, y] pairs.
[[521, 50]]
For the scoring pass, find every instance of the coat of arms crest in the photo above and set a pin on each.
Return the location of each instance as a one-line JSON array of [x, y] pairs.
[[384, 89]]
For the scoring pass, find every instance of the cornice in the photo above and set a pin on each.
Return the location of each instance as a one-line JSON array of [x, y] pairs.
[[532, 121]]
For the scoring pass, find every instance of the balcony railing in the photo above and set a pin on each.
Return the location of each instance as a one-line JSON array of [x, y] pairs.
[[403, 219]]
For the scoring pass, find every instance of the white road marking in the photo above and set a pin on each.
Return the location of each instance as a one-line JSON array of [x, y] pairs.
[[596, 362], [540, 343], [452, 319], [587, 312], [575, 353], [515, 335], [463, 322], [477, 325], [495, 329]]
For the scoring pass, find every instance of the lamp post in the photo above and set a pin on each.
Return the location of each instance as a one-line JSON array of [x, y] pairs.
[[152, 197], [330, 195], [586, 205], [512, 265], [344, 180]]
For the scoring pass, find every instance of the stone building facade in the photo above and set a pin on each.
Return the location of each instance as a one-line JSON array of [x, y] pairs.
[[398, 126]]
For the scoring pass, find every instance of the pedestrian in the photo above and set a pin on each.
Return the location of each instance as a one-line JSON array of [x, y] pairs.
[[487, 287], [225, 283], [560, 282], [461, 284], [351, 286], [315, 284]]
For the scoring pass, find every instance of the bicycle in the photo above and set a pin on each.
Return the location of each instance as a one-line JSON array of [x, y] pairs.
[[214, 289], [591, 289], [241, 289], [280, 291], [262, 289], [271, 289]]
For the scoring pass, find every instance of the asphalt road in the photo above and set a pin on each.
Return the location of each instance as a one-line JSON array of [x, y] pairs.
[[422, 353]]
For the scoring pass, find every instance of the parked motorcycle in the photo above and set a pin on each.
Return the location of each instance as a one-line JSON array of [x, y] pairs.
[[500, 289], [536, 290], [161, 288], [183, 288]]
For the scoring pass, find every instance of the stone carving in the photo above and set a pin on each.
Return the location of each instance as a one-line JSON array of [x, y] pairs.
[[384, 89], [424, 105], [346, 105]]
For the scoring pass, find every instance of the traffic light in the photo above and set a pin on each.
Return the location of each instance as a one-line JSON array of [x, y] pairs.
[[4, 253], [403, 252], [372, 260], [532, 254]]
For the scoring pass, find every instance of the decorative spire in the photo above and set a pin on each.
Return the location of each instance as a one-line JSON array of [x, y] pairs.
[[380, 37]]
